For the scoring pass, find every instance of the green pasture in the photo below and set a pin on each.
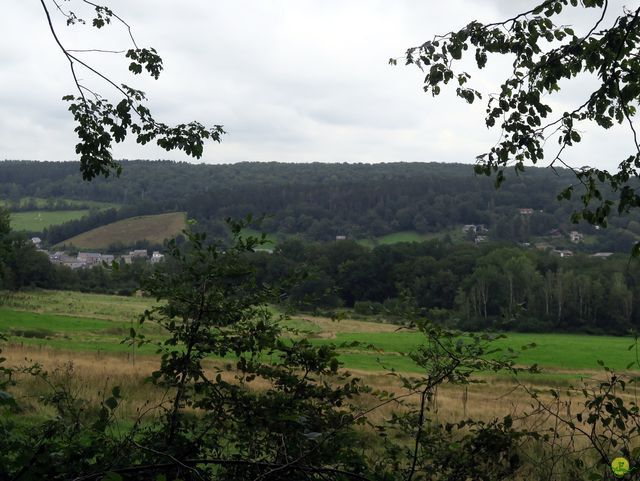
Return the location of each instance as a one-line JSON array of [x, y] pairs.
[[272, 239], [86, 334], [38, 220], [68, 332], [86, 322], [57, 324], [77, 304], [397, 237], [412, 236], [572, 352], [96, 322], [375, 352]]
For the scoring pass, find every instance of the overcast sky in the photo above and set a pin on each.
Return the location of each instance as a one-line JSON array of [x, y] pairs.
[[290, 80]]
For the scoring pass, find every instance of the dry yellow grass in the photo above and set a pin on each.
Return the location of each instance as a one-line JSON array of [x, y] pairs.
[[329, 327], [90, 375], [93, 373]]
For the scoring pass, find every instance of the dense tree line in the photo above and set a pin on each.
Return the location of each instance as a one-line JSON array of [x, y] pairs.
[[30, 204], [318, 201], [491, 286]]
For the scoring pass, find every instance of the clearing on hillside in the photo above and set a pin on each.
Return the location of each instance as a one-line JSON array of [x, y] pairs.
[[153, 228], [455, 233], [38, 220]]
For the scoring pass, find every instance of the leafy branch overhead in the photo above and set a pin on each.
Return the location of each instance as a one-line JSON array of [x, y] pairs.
[[100, 122], [545, 52]]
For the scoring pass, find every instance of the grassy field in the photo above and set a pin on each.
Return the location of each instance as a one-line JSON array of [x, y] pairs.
[[76, 304], [272, 239], [412, 236], [38, 220], [557, 352], [394, 238], [78, 339], [154, 228], [404, 236], [92, 322]]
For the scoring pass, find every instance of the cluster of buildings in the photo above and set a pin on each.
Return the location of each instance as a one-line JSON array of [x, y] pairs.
[[90, 259], [574, 236], [477, 231]]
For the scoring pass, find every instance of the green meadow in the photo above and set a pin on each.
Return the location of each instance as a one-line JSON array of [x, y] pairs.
[[272, 239], [412, 236], [570, 352], [93, 322], [38, 220]]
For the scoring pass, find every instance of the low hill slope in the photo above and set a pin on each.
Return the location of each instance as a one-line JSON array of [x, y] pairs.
[[153, 228]]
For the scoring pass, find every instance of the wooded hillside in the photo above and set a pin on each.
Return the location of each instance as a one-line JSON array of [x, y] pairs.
[[318, 201]]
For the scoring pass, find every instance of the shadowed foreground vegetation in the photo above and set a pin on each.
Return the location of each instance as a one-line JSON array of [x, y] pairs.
[[216, 378]]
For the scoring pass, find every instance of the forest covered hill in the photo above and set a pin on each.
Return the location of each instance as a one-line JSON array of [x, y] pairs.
[[314, 201]]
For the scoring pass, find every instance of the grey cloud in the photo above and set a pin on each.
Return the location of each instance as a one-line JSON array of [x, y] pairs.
[[291, 80]]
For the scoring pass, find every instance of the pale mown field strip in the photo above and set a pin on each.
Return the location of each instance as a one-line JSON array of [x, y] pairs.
[[154, 228]]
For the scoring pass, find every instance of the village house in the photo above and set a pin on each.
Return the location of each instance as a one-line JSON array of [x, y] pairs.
[[139, 253], [562, 253], [89, 258], [156, 257], [60, 257], [575, 236], [555, 233], [602, 255]]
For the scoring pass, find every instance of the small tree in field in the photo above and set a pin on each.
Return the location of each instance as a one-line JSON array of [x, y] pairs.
[[265, 409]]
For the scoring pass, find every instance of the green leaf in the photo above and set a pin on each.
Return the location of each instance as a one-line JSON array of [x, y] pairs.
[[575, 136]]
